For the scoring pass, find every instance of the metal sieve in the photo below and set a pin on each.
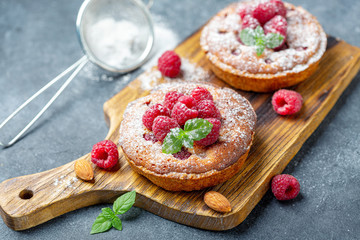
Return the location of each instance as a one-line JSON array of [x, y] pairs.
[[90, 13]]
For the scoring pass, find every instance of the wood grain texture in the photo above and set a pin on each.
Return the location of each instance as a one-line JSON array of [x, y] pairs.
[[31, 200]]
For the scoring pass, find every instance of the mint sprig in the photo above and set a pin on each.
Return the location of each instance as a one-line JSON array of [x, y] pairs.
[[101, 224], [257, 38], [194, 130], [108, 218]]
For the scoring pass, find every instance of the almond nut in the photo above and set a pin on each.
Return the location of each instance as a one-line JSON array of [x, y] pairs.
[[83, 170], [217, 202]]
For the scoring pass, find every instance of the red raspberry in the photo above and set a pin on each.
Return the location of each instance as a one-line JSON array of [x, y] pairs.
[[152, 113], [150, 137], [183, 154], [285, 187], [207, 109], [181, 113], [162, 126], [286, 102], [169, 64], [171, 98], [213, 135], [105, 154], [245, 10], [201, 93], [279, 6], [277, 24], [264, 12], [249, 22], [189, 101]]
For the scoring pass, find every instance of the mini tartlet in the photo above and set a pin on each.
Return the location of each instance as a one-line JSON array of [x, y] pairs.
[[206, 166], [239, 65]]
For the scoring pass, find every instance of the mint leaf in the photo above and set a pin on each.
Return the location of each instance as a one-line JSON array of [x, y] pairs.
[[197, 128], [251, 37], [123, 203], [259, 40], [173, 141], [108, 213], [107, 218], [247, 36], [116, 223], [101, 224], [273, 40], [188, 142], [259, 49], [259, 33]]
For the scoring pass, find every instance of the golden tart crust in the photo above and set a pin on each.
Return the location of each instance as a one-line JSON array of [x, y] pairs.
[[239, 65], [207, 166]]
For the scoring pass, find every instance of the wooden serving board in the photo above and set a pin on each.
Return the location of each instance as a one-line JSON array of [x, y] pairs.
[[31, 200]]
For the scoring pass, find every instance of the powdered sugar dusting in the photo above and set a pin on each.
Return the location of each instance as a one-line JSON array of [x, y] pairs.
[[149, 79], [189, 72], [117, 43], [165, 39], [305, 38], [238, 123], [62, 180]]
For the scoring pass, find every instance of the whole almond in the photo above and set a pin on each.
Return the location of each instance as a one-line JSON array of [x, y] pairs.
[[217, 202], [83, 170]]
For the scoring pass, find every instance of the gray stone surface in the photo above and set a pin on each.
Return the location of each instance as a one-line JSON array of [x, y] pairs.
[[38, 40]]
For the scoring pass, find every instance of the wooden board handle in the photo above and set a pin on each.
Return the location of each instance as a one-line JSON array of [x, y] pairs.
[[30, 200], [33, 199]]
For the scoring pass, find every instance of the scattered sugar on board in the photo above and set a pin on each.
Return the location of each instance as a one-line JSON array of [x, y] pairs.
[[189, 72], [67, 182], [149, 79], [165, 39]]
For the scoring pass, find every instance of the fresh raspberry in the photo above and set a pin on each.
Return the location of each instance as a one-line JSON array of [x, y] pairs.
[[150, 137], [183, 154], [245, 10], [189, 101], [169, 64], [200, 94], [105, 154], [181, 113], [279, 6], [249, 22], [213, 135], [264, 12], [162, 126], [286, 102], [285, 187], [207, 109], [152, 113], [171, 98], [277, 24]]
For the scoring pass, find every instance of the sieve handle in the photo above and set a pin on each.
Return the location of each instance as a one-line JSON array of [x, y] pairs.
[[149, 4], [78, 65]]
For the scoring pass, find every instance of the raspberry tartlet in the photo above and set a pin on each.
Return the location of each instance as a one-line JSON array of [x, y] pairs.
[[294, 60], [211, 160]]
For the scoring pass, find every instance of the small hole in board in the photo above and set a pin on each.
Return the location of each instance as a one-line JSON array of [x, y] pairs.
[[26, 194]]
